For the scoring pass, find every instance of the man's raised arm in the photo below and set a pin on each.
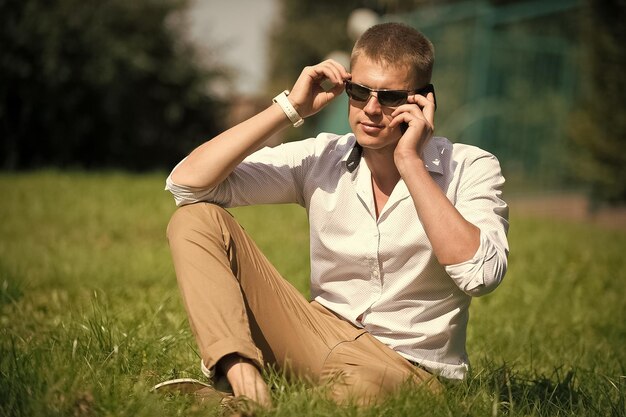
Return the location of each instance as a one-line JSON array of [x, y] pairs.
[[210, 163]]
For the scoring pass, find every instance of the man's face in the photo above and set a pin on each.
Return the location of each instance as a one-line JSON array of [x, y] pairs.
[[370, 120]]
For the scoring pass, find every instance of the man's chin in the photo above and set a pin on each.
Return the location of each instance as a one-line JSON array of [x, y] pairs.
[[375, 142]]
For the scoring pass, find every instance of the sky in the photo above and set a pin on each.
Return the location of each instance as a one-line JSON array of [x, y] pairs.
[[240, 29]]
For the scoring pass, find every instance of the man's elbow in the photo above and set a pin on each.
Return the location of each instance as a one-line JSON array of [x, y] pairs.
[[493, 274]]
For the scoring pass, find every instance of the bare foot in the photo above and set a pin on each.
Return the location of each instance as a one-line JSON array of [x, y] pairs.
[[246, 380]]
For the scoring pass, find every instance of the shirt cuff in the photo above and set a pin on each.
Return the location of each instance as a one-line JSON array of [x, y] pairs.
[[474, 276], [209, 373]]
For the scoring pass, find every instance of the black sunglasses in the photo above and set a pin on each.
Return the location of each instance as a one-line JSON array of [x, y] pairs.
[[389, 98]]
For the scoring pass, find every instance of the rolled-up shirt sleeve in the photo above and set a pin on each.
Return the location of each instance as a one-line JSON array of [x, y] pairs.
[[268, 176], [479, 200], [186, 195]]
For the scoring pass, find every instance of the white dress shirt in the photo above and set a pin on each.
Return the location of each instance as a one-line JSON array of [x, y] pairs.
[[381, 274]]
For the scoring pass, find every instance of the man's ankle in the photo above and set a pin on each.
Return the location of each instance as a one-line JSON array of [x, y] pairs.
[[245, 379]]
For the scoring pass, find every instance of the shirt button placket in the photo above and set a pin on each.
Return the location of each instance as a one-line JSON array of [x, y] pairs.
[[374, 265]]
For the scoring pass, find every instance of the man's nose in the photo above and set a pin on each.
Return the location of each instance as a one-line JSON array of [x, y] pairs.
[[372, 105]]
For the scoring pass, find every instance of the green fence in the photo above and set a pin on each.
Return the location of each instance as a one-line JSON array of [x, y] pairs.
[[506, 79]]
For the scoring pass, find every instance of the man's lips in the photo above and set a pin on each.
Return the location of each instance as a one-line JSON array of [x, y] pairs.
[[370, 127]]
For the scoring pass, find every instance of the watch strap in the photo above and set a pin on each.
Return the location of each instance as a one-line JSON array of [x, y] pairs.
[[288, 108]]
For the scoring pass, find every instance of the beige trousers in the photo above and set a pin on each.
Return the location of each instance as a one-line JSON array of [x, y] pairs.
[[237, 302]]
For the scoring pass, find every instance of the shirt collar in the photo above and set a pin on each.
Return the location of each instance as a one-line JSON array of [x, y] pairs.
[[432, 157], [353, 158], [432, 160]]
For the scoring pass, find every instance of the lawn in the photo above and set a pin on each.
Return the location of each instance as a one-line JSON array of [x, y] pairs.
[[91, 317]]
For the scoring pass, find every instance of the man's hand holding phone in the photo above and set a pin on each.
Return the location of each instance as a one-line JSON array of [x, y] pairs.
[[416, 120]]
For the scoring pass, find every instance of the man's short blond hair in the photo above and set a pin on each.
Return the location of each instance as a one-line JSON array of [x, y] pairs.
[[399, 46]]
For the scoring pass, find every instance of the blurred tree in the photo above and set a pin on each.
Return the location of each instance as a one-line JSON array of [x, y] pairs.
[[599, 126], [307, 32], [89, 83]]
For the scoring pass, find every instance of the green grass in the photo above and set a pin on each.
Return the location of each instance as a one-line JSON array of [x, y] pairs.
[[90, 314]]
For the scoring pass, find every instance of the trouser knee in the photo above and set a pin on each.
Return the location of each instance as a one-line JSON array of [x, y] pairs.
[[195, 218]]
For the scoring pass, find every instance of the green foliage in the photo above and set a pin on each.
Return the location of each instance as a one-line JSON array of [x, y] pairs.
[[100, 83], [91, 318], [307, 33], [599, 127]]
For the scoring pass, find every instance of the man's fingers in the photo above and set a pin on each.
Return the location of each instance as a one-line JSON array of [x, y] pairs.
[[331, 70], [427, 106]]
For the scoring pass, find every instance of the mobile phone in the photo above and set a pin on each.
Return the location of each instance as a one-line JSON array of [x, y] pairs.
[[403, 127]]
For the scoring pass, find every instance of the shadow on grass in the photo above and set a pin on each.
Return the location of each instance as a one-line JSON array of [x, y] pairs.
[[574, 392]]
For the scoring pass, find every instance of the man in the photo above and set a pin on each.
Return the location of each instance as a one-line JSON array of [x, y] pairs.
[[404, 229]]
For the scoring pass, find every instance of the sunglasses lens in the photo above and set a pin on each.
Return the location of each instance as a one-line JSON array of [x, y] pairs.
[[357, 92], [389, 98], [392, 98]]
